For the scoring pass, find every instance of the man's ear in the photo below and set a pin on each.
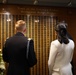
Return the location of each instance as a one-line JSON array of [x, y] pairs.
[[24, 30]]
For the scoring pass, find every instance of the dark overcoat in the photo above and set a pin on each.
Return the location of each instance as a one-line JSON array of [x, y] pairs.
[[14, 53]]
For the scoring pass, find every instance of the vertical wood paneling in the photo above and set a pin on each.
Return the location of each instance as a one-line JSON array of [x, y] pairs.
[[2, 23], [44, 43], [1, 31], [7, 27], [47, 43], [4, 27], [38, 46], [28, 25], [35, 40], [11, 24], [41, 46], [41, 32]]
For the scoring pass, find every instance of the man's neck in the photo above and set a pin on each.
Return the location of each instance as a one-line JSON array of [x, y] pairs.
[[21, 32]]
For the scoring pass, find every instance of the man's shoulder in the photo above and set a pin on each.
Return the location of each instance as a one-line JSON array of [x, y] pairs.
[[29, 39], [16, 38]]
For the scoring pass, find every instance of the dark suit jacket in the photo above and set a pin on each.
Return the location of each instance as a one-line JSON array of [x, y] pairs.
[[14, 53]]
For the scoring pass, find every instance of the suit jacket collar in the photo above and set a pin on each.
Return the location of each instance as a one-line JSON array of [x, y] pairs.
[[19, 34]]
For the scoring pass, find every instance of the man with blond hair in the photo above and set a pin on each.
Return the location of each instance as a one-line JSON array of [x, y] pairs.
[[15, 50]]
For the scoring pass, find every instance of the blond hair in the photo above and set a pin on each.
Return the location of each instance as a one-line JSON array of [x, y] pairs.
[[19, 25]]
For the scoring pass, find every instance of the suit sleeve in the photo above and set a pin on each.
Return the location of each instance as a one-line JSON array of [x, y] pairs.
[[4, 53], [32, 55], [52, 57]]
